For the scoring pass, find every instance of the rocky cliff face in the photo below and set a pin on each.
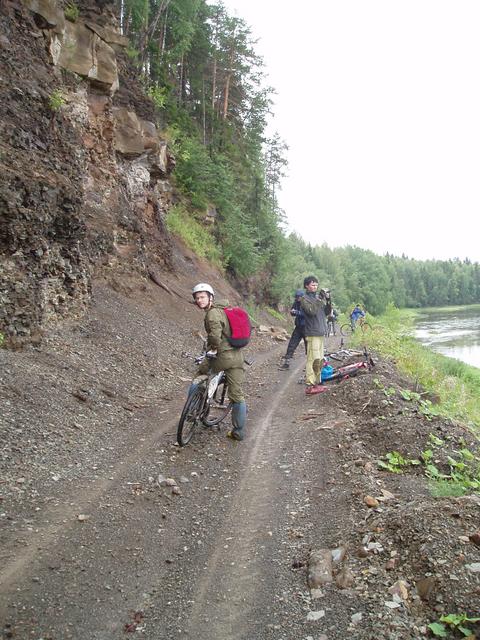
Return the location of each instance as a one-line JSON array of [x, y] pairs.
[[83, 167]]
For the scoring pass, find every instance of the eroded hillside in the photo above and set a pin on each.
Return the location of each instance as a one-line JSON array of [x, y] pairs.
[[84, 170]]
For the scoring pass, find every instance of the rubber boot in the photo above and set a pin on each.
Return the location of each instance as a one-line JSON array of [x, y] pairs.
[[239, 417]]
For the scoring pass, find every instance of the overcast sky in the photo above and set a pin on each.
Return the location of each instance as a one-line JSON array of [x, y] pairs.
[[379, 102]]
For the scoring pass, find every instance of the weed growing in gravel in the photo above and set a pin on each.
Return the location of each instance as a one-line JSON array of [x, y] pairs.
[[387, 391], [2, 340], [452, 622], [395, 462], [463, 474]]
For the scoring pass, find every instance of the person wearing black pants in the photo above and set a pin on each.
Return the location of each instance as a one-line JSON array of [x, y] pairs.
[[299, 331]]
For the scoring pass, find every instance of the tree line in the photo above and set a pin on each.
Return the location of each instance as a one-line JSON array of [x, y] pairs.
[[358, 275], [200, 68]]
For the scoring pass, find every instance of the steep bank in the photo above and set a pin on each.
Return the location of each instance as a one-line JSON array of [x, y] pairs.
[[84, 170]]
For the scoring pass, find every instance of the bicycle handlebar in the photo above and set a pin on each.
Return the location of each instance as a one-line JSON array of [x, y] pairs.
[[212, 356], [205, 355]]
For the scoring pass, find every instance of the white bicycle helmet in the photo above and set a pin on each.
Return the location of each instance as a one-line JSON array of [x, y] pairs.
[[202, 286]]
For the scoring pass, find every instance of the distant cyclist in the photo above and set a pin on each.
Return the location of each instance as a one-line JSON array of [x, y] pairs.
[[228, 358], [355, 315]]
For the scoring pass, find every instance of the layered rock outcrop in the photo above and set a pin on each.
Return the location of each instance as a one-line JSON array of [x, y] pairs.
[[83, 173]]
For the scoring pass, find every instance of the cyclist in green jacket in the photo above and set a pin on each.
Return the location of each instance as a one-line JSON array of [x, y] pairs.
[[228, 358]]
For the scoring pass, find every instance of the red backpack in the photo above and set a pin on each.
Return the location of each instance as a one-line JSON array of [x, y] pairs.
[[239, 325]]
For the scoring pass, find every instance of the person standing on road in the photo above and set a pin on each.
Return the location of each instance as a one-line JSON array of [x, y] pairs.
[[332, 323], [299, 331], [316, 308], [228, 358]]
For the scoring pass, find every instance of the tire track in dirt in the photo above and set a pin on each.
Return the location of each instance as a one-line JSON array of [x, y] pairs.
[[56, 528], [238, 576], [64, 516]]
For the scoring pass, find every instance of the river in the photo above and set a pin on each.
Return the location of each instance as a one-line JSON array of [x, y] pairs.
[[454, 333]]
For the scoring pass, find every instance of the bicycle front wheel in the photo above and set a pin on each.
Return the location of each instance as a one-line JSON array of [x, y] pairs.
[[365, 327], [190, 417], [219, 407], [346, 329]]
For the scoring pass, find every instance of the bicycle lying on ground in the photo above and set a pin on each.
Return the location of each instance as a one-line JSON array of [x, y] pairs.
[[343, 354], [350, 327], [207, 404], [352, 369]]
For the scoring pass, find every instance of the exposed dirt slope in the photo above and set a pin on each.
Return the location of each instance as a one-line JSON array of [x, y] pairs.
[[93, 547]]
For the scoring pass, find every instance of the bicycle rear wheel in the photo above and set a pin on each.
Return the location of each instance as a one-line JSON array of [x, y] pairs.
[[190, 417], [346, 329], [219, 407]]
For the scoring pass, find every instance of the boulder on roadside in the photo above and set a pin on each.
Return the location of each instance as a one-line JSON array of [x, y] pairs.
[[319, 568]]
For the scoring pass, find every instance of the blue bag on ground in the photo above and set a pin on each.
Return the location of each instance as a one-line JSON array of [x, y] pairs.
[[327, 372]]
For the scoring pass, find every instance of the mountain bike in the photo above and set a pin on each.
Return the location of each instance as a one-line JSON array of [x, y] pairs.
[[350, 327], [353, 369], [343, 354], [207, 404]]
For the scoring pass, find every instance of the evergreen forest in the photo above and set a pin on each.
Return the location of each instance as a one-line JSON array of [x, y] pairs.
[[200, 68]]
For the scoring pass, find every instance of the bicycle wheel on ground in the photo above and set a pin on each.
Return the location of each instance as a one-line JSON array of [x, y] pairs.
[[219, 408], [190, 417], [346, 329]]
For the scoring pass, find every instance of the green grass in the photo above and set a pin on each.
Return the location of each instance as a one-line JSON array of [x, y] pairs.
[[447, 489], [195, 235], [276, 314], [443, 309], [454, 383]]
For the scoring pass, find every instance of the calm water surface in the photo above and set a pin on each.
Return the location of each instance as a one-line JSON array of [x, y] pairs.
[[453, 333]]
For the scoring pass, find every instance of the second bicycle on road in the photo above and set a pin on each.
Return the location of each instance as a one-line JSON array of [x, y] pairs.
[[350, 327]]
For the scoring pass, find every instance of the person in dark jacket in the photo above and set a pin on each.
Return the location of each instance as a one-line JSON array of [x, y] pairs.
[[316, 307], [299, 331]]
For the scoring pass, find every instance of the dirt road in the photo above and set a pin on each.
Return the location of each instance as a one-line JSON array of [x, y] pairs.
[[213, 560], [108, 528]]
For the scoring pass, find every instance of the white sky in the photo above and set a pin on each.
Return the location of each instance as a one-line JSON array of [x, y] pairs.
[[379, 102]]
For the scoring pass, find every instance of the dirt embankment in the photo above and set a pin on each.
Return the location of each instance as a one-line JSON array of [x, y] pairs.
[[95, 545], [84, 171]]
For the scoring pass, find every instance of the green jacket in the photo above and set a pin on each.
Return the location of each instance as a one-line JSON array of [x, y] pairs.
[[218, 328]]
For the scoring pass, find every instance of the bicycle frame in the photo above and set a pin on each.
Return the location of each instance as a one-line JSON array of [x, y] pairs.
[[350, 370], [204, 404]]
